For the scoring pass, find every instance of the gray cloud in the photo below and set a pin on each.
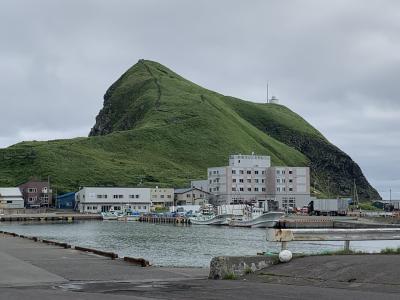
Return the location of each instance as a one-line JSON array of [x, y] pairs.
[[335, 63]]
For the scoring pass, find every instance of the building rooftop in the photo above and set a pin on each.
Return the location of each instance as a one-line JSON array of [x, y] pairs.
[[10, 191]]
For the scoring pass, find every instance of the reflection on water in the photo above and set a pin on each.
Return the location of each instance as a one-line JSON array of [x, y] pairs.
[[171, 245]]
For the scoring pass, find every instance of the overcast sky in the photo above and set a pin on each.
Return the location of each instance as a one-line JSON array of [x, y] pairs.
[[336, 63]]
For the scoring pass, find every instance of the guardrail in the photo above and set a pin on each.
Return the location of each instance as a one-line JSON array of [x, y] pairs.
[[365, 234]]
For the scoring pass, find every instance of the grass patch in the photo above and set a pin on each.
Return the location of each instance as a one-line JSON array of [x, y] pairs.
[[390, 251], [342, 252], [230, 276]]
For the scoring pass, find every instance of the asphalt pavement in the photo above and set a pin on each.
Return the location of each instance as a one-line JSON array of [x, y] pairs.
[[33, 270]]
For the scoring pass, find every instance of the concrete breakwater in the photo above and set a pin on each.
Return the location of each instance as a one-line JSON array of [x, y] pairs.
[[330, 222], [136, 261], [48, 217]]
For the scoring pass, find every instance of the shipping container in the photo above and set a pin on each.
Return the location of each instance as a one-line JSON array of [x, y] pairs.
[[330, 207]]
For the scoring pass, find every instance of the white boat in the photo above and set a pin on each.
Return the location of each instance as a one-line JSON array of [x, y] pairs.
[[110, 215], [129, 215], [211, 219], [257, 218]]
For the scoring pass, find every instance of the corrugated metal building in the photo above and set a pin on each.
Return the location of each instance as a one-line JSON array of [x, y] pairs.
[[66, 201], [11, 198]]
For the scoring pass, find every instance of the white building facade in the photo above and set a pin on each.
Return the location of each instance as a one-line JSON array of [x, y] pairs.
[[162, 197], [250, 178], [102, 199], [11, 198], [290, 186]]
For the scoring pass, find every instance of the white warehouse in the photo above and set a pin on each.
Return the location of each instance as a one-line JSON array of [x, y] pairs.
[[102, 199], [11, 198]]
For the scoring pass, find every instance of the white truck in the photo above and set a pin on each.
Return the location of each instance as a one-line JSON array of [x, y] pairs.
[[329, 207]]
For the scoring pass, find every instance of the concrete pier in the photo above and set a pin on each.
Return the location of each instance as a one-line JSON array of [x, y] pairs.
[[36, 270], [49, 217]]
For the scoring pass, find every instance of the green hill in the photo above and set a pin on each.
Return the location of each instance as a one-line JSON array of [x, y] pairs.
[[157, 128]]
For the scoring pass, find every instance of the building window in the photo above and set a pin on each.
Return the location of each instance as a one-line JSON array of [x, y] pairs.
[[162, 196], [290, 172], [290, 180], [248, 172], [233, 189], [256, 189], [115, 196], [278, 180], [278, 189], [262, 180], [241, 189], [234, 180], [278, 172], [256, 172], [263, 189], [241, 180], [32, 190], [256, 180], [249, 189], [169, 196], [290, 189], [249, 180], [263, 172], [241, 172], [233, 171], [187, 195]]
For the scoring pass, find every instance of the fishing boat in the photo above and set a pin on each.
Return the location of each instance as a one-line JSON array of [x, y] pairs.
[[129, 215], [207, 216], [110, 215], [256, 218], [212, 219]]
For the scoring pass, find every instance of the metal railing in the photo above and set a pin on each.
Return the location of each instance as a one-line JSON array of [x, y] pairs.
[[365, 234]]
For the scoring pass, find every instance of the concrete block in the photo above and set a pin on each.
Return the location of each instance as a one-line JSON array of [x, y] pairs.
[[227, 266]]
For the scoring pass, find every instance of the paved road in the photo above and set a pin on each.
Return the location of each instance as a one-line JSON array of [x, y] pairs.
[[30, 270]]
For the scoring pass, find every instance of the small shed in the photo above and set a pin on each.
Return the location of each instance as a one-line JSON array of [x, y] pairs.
[[66, 201]]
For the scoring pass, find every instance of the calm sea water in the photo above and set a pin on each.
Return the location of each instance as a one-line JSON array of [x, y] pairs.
[[173, 245]]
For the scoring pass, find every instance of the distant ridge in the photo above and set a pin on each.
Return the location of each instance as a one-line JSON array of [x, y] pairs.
[[158, 128]]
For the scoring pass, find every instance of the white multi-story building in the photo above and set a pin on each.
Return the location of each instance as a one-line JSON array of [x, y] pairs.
[[244, 180], [250, 178], [290, 186], [102, 199]]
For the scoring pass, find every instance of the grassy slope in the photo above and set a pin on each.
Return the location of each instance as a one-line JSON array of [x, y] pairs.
[[333, 171], [175, 138]]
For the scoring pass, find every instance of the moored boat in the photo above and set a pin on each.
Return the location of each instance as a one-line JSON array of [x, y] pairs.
[[211, 219], [257, 218], [110, 215]]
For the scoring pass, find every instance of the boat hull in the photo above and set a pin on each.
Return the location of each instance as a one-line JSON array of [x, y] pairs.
[[268, 219], [216, 220]]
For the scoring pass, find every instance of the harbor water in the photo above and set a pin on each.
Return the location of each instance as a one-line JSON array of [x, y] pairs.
[[173, 245]]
